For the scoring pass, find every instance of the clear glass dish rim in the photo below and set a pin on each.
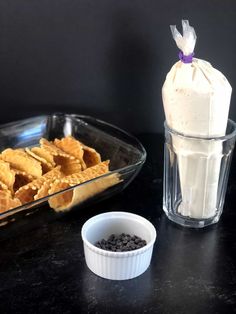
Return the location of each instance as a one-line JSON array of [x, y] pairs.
[[192, 137], [125, 169]]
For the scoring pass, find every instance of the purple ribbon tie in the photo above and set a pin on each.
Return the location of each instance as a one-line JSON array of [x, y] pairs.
[[186, 59]]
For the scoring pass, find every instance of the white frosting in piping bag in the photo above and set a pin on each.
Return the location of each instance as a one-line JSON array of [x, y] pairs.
[[196, 100]]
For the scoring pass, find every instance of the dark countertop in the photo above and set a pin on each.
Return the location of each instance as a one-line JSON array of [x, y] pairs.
[[42, 266]]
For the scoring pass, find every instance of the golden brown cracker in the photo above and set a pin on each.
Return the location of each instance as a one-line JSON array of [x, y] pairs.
[[63, 200], [68, 166], [54, 166], [52, 149], [68, 199], [49, 178], [27, 192], [46, 166], [77, 178], [20, 160], [7, 176], [88, 174], [72, 147], [3, 186], [41, 152], [53, 174], [7, 202], [43, 190], [68, 163], [33, 190], [21, 178], [91, 157]]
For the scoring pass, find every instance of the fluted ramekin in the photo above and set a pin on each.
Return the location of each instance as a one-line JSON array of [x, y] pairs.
[[117, 265]]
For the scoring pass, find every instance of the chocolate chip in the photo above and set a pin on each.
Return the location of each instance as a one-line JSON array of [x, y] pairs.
[[121, 243]]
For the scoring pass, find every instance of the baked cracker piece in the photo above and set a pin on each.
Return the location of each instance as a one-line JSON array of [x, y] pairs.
[[46, 166], [91, 157], [69, 164], [20, 160], [3, 186], [27, 192], [7, 201], [88, 174], [21, 178], [43, 153], [67, 199], [52, 149], [72, 147], [7, 175], [50, 177]]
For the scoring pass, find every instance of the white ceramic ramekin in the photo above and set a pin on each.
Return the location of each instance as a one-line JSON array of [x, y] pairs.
[[117, 265]]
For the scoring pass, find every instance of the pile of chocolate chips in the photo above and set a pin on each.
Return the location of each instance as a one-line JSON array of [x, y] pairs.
[[121, 243]]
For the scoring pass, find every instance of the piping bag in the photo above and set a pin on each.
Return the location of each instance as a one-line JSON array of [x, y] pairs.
[[196, 99]]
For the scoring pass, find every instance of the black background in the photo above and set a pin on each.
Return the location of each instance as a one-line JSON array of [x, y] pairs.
[[105, 58]]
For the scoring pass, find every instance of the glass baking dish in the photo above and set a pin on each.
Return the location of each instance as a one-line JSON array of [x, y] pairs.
[[125, 152]]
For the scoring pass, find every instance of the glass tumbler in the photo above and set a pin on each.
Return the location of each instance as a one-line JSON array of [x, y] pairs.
[[196, 171]]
